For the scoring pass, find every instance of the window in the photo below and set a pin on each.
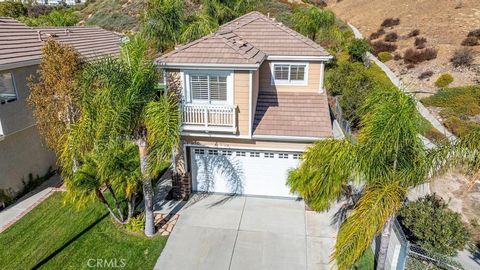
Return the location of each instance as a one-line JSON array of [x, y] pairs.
[[199, 151], [254, 154], [268, 155], [289, 73], [7, 88], [225, 152], [297, 156], [240, 153], [283, 155], [213, 152], [208, 88]]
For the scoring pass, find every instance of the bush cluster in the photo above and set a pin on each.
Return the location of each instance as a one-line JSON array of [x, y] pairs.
[[358, 48], [470, 41], [413, 33], [414, 56], [462, 57], [37, 10], [12, 9], [397, 57], [425, 75], [429, 223], [474, 33], [382, 46], [377, 34], [420, 42], [391, 37], [444, 80], [384, 56], [390, 22]]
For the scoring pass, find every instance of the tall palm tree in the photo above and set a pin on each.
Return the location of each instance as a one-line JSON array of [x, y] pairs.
[[387, 159], [122, 101]]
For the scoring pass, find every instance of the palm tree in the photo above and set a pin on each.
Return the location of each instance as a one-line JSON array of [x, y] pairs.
[[122, 101], [309, 21], [113, 166], [162, 22], [387, 159]]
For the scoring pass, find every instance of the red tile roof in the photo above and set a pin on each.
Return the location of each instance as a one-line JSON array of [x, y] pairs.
[[292, 114]]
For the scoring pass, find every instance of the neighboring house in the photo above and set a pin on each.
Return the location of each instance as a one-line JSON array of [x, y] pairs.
[[252, 101], [21, 149]]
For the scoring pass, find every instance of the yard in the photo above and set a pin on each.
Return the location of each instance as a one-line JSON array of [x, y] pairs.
[[57, 235], [458, 107]]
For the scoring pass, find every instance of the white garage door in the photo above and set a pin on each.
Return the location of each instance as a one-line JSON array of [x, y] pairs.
[[249, 172]]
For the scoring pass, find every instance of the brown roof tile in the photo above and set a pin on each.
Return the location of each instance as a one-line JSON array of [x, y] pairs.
[[245, 40], [20, 43], [292, 114]]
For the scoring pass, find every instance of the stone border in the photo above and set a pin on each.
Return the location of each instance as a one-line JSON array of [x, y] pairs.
[[31, 207]]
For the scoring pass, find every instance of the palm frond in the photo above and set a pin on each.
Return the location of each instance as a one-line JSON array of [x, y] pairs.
[[326, 167], [162, 120], [378, 203]]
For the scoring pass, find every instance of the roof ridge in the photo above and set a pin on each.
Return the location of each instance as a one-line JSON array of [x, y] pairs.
[[296, 35]]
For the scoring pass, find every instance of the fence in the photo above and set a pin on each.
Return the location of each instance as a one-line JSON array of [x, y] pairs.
[[337, 111]]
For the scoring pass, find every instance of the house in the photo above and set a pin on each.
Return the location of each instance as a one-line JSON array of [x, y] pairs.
[[22, 151], [252, 101]]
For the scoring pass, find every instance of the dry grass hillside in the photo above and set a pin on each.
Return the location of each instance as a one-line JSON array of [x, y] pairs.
[[444, 24]]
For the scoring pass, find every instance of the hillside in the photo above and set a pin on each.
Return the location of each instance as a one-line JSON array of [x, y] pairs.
[[444, 23]]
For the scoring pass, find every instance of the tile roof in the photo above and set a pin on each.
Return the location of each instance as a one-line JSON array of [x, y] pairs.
[[245, 40], [20, 43], [292, 114]]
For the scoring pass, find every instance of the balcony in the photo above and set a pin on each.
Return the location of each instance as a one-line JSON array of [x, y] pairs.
[[209, 118]]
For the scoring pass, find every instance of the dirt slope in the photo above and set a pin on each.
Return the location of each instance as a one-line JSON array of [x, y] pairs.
[[445, 23]]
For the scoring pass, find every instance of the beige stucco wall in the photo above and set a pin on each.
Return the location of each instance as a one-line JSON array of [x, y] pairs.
[[241, 98], [312, 86], [21, 151]]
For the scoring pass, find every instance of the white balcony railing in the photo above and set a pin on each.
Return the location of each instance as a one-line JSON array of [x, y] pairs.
[[222, 118]]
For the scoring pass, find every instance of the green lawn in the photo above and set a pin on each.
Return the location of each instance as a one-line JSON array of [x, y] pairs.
[[71, 238], [459, 107]]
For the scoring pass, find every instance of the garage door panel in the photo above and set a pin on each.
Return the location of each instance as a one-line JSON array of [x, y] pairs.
[[242, 171]]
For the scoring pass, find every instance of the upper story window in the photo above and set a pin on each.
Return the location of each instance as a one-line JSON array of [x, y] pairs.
[[289, 73], [209, 87], [8, 92]]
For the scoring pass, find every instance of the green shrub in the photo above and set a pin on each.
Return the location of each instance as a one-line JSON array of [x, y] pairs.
[[444, 80], [136, 224], [429, 223], [352, 83], [12, 9], [358, 48], [58, 17], [384, 56]]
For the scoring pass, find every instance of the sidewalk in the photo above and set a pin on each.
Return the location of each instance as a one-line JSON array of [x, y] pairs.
[[25, 204]]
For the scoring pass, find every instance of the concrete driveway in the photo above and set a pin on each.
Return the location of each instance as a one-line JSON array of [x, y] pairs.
[[219, 232]]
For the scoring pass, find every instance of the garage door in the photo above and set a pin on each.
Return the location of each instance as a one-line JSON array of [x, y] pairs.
[[239, 171]]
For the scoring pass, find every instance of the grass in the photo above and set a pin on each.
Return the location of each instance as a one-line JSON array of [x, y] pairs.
[[458, 107], [51, 225]]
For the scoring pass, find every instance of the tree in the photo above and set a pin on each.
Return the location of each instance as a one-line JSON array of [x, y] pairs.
[[309, 21], [201, 24], [388, 159], [54, 96], [12, 9], [113, 166], [122, 102], [163, 22], [430, 224], [358, 49]]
